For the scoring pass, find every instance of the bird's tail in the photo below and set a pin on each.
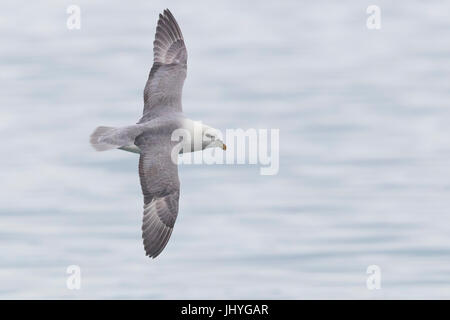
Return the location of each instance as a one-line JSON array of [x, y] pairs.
[[107, 138], [99, 136]]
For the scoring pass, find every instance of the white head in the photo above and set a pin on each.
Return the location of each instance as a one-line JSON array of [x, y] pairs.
[[196, 136], [212, 138]]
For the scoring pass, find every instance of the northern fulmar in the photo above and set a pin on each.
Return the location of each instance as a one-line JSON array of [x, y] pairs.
[[152, 136]]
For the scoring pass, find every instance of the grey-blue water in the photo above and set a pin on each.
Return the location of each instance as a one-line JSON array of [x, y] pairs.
[[364, 151]]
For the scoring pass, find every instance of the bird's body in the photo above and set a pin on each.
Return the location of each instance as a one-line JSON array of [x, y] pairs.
[[152, 137]]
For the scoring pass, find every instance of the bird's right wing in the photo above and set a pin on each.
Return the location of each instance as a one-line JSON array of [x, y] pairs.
[[161, 189], [164, 86]]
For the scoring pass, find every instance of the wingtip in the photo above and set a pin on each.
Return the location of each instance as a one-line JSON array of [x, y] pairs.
[[151, 255]]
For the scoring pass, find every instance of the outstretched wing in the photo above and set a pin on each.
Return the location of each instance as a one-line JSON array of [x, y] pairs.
[[164, 86], [161, 189]]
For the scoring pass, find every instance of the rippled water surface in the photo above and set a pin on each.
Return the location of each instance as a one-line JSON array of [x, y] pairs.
[[364, 151]]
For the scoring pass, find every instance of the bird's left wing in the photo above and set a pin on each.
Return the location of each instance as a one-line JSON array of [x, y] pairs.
[[164, 86], [161, 188]]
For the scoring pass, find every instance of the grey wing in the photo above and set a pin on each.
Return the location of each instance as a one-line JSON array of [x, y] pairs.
[[161, 189], [164, 86]]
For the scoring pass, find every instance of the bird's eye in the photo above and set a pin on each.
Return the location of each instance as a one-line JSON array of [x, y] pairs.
[[209, 136]]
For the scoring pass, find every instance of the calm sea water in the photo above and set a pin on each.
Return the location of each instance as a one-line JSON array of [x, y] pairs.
[[364, 151]]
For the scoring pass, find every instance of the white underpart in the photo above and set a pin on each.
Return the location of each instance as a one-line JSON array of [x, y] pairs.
[[131, 148]]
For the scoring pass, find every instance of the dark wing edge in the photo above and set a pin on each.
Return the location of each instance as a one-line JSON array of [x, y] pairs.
[[169, 46], [158, 222]]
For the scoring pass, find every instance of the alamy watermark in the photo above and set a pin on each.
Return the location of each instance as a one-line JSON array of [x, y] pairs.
[[74, 19], [373, 281], [251, 146], [73, 281], [374, 20]]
